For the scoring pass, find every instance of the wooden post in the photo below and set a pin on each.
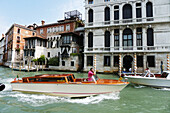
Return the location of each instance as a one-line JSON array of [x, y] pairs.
[[120, 65], [37, 65], [95, 64], [42, 66], [135, 68], [20, 66], [167, 62], [12, 66], [28, 67]]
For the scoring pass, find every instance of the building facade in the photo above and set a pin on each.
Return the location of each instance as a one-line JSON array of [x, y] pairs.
[[127, 35], [14, 43], [60, 40]]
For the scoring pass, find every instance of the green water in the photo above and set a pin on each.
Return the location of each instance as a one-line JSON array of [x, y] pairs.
[[133, 99]]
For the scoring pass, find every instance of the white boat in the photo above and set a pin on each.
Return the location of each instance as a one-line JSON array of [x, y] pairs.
[[66, 85], [150, 80]]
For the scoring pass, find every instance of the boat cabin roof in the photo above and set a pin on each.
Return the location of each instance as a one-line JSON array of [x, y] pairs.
[[51, 76]]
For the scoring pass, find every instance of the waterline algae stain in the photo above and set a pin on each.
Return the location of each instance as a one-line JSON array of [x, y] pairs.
[[133, 99]]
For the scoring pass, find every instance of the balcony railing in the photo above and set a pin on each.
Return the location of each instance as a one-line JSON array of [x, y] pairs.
[[130, 49], [129, 21]]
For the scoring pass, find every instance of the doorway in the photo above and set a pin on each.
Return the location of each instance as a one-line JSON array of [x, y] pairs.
[[127, 63]]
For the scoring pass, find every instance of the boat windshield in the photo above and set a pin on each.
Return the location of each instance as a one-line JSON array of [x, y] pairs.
[[70, 79], [164, 75]]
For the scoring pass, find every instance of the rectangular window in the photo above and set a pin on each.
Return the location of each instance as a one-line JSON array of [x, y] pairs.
[[62, 28], [68, 28], [18, 39], [19, 31], [41, 31], [63, 63], [52, 30], [106, 0], [48, 30], [72, 63], [116, 61], [106, 60], [139, 61], [90, 1], [116, 14], [139, 38], [57, 29], [116, 38], [48, 54], [151, 61], [66, 39], [89, 60]]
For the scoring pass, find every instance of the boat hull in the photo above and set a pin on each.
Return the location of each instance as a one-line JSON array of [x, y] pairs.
[[146, 81], [68, 90]]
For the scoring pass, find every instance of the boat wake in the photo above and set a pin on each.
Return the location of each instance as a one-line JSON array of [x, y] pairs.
[[138, 86], [36, 100], [162, 89]]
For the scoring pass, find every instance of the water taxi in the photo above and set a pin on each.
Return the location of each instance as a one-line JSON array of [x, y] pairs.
[[67, 85], [158, 81]]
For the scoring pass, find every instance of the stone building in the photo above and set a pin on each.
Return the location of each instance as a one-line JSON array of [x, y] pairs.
[[63, 39], [14, 43], [124, 34]]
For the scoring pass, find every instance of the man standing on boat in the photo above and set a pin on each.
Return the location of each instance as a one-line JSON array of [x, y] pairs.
[[90, 75]]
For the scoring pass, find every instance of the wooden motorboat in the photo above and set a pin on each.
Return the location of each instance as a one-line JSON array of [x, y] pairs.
[[159, 81], [67, 85]]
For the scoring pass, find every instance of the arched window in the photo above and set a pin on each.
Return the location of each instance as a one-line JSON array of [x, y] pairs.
[[150, 37], [127, 11], [149, 11], [107, 14], [107, 39], [127, 37], [116, 14], [90, 39], [90, 13]]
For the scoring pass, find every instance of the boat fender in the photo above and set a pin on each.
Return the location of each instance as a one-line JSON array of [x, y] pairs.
[[2, 87]]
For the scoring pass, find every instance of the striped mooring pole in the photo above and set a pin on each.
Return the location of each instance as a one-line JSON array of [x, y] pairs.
[[120, 65], [95, 64], [167, 62], [135, 67]]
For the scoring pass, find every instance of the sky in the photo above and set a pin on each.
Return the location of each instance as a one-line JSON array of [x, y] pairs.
[[27, 12]]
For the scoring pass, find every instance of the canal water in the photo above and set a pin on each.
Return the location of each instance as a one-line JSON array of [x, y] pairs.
[[133, 99]]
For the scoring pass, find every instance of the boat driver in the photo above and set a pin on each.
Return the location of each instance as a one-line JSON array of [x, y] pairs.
[[90, 75]]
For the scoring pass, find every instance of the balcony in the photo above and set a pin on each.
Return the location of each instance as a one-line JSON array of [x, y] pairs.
[[129, 21], [128, 49]]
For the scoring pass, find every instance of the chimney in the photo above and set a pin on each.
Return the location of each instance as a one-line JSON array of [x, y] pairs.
[[42, 22], [2, 35]]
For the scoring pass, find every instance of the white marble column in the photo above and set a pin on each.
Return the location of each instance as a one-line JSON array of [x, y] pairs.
[[120, 12], [134, 11], [111, 13], [112, 40], [134, 38], [144, 34], [143, 10]]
